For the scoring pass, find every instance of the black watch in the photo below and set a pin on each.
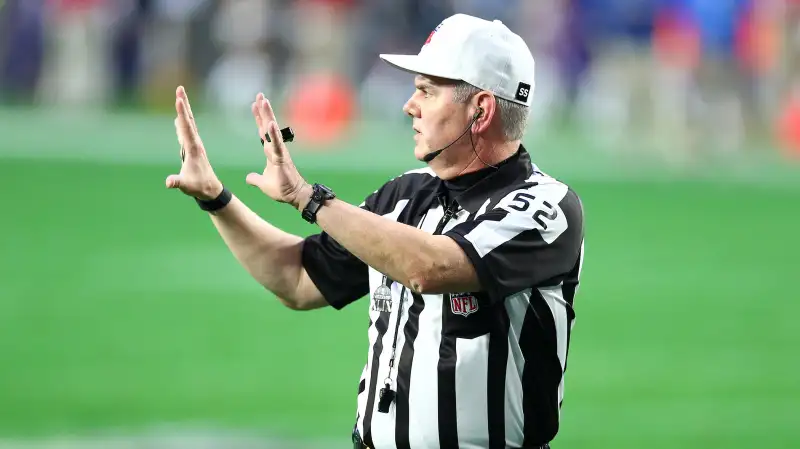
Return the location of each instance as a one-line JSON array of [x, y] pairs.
[[319, 195]]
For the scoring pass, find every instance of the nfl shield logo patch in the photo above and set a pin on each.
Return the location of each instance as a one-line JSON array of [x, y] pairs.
[[463, 304]]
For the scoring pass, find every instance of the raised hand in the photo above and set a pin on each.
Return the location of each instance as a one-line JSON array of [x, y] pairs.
[[196, 177], [280, 180]]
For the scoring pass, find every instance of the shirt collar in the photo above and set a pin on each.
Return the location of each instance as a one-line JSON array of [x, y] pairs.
[[470, 191]]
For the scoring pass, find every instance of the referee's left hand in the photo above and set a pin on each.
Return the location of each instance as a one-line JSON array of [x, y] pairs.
[[280, 180]]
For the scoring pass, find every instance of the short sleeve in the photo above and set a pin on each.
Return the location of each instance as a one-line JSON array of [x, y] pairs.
[[341, 277], [530, 239]]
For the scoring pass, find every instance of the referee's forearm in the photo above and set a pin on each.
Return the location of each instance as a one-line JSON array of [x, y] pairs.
[[272, 256], [397, 250]]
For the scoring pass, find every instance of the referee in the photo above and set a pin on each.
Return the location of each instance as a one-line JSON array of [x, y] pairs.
[[470, 264]]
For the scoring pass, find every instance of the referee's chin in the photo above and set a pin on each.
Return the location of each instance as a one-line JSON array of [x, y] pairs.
[[420, 151]]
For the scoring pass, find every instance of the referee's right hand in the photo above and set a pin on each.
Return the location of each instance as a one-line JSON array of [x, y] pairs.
[[196, 177]]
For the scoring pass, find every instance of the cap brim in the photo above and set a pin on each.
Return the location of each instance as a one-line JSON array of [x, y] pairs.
[[418, 65]]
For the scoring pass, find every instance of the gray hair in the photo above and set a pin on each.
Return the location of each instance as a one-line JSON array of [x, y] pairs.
[[513, 116]]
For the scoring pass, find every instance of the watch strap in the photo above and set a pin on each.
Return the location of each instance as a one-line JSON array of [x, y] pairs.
[[319, 194]]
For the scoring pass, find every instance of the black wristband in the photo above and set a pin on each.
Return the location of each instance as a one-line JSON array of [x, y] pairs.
[[217, 203]]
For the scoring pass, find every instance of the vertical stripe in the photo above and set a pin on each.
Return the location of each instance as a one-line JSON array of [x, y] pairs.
[[558, 308], [424, 389], [405, 364], [361, 398], [572, 278], [516, 307], [448, 427], [554, 299], [568, 289], [446, 369], [380, 326], [514, 414], [471, 385], [496, 379], [542, 373]]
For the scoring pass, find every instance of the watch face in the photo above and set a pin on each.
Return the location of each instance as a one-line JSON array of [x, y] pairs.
[[322, 191]]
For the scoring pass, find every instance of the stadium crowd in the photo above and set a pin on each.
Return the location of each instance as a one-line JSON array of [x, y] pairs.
[[673, 73]]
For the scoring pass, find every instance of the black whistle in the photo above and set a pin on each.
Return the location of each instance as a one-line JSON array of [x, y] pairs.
[[386, 399], [286, 134]]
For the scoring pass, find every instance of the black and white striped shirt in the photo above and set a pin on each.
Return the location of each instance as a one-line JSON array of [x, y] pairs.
[[471, 369]]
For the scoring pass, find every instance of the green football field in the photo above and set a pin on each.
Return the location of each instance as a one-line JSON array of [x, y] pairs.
[[121, 308]]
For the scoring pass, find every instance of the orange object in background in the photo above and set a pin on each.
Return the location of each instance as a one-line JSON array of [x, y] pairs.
[[788, 128], [320, 108], [758, 40]]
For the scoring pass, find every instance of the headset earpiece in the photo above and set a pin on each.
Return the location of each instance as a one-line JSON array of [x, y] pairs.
[[429, 157]]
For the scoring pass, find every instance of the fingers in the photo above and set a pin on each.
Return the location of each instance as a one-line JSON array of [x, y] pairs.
[[178, 133], [267, 114], [275, 149], [181, 93], [262, 126], [187, 133], [275, 144]]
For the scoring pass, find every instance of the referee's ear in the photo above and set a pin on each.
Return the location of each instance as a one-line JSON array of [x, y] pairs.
[[484, 104]]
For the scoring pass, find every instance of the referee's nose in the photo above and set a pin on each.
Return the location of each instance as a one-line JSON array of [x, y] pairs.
[[411, 109]]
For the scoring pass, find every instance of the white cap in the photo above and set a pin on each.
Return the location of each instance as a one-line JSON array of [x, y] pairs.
[[485, 54]]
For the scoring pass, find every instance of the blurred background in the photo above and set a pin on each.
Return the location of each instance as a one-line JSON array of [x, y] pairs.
[[126, 323]]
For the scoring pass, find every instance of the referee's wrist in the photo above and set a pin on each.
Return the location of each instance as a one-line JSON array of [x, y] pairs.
[[303, 196], [213, 204], [212, 191]]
